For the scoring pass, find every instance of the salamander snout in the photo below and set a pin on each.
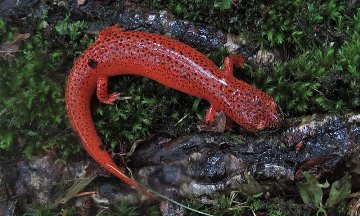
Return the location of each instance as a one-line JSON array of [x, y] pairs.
[[273, 118]]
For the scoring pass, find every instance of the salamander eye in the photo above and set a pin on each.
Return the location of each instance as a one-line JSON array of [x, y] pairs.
[[257, 100], [92, 63]]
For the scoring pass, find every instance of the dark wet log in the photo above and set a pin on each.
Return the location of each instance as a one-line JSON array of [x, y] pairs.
[[205, 163], [202, 164], [129, 15]]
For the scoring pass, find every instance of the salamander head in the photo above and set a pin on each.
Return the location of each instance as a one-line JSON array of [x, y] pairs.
[[251, 108]]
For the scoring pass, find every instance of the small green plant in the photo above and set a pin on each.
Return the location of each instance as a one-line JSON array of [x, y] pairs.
[[73, 29], [312, 193]]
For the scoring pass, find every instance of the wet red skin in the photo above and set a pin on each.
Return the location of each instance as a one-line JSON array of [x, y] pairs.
[[171, 63]]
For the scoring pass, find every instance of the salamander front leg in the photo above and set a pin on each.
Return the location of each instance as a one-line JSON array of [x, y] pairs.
[[102, 94], [231, 61], [209, 117], [213, 121]]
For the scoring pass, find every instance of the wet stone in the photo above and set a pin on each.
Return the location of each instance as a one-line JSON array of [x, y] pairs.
[[131, 20], [177, 29], [212, 168], [108, 191]]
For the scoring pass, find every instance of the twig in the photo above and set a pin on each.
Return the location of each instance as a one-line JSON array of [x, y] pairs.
[[85, 194]]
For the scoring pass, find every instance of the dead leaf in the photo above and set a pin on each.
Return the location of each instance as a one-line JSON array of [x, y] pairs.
[[80, 2], [7, 49]]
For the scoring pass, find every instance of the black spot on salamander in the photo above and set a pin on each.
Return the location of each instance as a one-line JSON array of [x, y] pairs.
[[102, 147], [92, 63]]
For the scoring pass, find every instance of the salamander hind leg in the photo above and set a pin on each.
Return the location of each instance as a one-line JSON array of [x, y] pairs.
[[231, 61], [102, 94]]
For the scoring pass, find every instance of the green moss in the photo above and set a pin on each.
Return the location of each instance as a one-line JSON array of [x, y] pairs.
[[301, 24], [320, 80], [40, 210], [32, 92], [147, 106], [122, 208]]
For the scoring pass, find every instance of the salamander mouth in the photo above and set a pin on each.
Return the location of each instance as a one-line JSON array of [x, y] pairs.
[[278, 119], [273, 122]]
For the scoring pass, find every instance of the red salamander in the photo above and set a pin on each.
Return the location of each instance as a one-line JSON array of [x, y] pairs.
[[171, 63]]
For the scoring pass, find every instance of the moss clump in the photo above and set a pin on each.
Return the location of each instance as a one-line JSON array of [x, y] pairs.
[[301, 24], [32, 90], [319, 80], [147, 107]]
